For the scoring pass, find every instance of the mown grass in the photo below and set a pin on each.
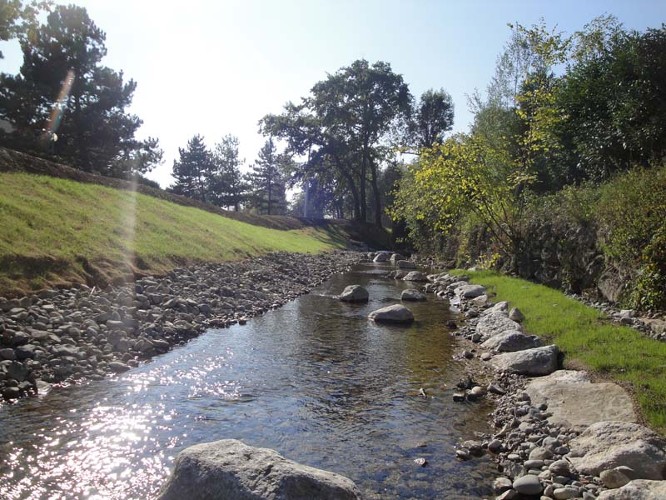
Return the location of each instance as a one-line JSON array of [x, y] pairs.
[[589, 340], [58, 224]]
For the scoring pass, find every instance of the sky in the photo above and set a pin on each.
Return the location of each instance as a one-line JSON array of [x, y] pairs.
[[216, 67]]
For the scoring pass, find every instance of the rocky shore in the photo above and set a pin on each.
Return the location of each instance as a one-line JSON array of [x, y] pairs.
[[60, 336], [557, 435]]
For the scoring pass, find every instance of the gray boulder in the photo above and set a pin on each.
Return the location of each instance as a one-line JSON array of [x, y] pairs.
[[573, 400], [395, 258], [415, 276], [607, 445], [470, 291], [381, 257], [229, 469], [500, 307], [392, 314], [511, 341], [494, 323], [516, 315], [639, 489], [533, 362], [413, 295], [354, 293]]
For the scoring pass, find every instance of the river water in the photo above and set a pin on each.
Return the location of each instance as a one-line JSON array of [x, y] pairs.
[[314, 380]]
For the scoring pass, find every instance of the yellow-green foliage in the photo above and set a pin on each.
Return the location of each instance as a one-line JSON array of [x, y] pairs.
[[56, 220], [465, 174], [588, 339]]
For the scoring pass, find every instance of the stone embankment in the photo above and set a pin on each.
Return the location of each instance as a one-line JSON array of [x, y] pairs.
[[558, 435], [59, 336]]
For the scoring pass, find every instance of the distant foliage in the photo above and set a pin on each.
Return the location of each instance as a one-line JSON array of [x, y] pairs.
[[266, 181]]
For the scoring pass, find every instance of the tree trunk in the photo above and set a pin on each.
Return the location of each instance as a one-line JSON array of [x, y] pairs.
[[375, 191]]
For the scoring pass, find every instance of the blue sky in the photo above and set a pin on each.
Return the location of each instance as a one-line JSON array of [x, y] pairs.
[[216, 67]]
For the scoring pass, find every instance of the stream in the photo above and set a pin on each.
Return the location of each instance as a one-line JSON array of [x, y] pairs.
[[314, 380]]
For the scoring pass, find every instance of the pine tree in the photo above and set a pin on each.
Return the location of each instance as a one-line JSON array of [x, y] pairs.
[[226, 184], [193, 170], [267, 181]]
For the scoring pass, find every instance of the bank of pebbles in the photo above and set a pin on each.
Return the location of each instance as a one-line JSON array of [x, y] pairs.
[[59, 336], [528, 450]]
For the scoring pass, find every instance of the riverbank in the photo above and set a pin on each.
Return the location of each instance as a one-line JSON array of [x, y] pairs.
[[557, 434], [60, 336]]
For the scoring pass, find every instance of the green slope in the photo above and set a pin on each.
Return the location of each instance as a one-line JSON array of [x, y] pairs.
[[59, 231]]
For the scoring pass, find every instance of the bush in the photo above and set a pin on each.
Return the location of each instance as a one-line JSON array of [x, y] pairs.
[[631, 214]]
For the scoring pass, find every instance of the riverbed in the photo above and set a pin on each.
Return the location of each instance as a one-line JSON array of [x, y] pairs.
[[314, 380]]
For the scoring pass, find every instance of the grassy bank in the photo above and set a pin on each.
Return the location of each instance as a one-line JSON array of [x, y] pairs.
[[60, 231], [589, 341]]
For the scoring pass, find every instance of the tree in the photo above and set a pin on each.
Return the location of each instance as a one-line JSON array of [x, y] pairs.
[[192, 170], [344, 125], [266, 181], [63, 92], [226, 185], [18, 19], [433, 117]]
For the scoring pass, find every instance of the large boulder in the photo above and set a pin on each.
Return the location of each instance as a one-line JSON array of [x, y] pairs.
[[575, 401], [415, 276], [497, 322], [395, 258], [413, 295], [511, 341], [533, 362], [354, 293], [606, 445], [396, 313], [638, 489], [229, 469], [470, 291]]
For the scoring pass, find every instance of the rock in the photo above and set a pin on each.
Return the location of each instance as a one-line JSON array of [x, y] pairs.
[[566, 493], [492, 324], [412, 295], [354, 293], [507, 495], [7, 353], [576, 402], [617, 477], [638, 489], [470, 291], [606, 445], [502, 484], [396, 313], [528, 485], [463, 454], [382, 257], [533, 362], [458, 397], [560, 468], [118, 367], [540, 453], [415, 276], [421, 462], [516, 315], [231, 469], [486, 356], [501, 308], [511, 341], [395, 257]]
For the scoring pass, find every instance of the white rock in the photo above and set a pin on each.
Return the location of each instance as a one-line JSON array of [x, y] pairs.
[[511, 341], [470, 291]]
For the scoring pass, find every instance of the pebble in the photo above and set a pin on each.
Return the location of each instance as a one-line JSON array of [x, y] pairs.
[[528, 485]]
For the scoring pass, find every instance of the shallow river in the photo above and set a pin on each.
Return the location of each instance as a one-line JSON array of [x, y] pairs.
[[314, 380]]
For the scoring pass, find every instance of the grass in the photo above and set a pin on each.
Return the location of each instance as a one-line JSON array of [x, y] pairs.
[[589, 340], [56, 230]]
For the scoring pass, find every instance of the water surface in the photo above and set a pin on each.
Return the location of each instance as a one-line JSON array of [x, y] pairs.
[[314, 380]]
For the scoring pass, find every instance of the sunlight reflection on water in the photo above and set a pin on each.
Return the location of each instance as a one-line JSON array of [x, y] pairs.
[[314, 380]]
